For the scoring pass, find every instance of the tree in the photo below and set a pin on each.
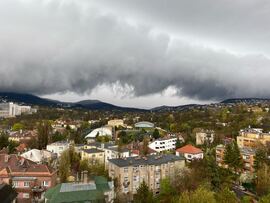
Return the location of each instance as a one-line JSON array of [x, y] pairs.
[[260, 157], [200, 195], [263, 180], [3, 140], [143, 195], [167, 191], [156, 134], [226, 196], [18, 126], [145, 146], [265, 199], [232, 156], [44, 134], [64, 166], [12, 146], [178, 143]]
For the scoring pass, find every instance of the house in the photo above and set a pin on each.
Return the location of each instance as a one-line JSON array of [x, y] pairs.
[[93, 155], [98, 190], [130, 172], [22, 136], [29, 179], [7, 194], [38, 156], [204, 137], [190, 152], [164, 144], [58, 147], [110, 150]]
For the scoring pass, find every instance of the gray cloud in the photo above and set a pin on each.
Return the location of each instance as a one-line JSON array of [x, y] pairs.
[[56, 46]]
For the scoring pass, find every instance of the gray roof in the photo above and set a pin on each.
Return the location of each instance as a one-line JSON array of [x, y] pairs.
[[148, 160], [91, 151]]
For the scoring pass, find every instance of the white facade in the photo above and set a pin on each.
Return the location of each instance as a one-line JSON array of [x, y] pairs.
[[163, 144], [37, 156], [11, 110], [190, 156], [57, 147], [103, 131]]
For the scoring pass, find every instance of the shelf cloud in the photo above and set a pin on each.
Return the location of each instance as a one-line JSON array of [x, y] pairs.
[[206, 50]]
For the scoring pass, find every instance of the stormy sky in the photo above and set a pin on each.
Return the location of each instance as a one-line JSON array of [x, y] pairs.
[[136, 52]]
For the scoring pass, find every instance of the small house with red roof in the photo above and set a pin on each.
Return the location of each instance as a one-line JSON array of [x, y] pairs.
[[190, 152]]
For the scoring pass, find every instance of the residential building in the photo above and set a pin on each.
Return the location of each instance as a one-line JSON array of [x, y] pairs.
[[58, 147], [132, 171], [38, 156], [9, 109], [110, 150], [7, 194], [103, 131], [248, 156], [98, 190], [93, 155], [29, 179], [116, 123], [190, 152], [204, 137], [250, 137], [22, 136], [164, 144]]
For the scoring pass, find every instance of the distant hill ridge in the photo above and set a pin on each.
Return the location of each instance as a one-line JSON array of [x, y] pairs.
[[29, 99]]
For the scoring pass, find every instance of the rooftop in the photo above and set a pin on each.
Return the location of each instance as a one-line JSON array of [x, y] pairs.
[[79, 192], [92, 151], [189, 149], [148, 160]]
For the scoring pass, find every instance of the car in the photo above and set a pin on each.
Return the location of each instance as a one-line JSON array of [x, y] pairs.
[[241, 187]]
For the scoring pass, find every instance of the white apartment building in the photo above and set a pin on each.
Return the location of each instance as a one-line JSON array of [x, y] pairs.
[[164, 144], [57, 147], [9, 109]]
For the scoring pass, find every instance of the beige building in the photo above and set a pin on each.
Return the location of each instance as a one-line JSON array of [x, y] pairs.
[[116, 123], [132, 171], [250, 137], [248, 157], [204, 136], [93, 155]]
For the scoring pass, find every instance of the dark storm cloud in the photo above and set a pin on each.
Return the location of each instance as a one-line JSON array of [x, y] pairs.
[[56, 46]]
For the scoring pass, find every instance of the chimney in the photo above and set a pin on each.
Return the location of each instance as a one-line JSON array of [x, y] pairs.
[[85, 177], [6, 158]]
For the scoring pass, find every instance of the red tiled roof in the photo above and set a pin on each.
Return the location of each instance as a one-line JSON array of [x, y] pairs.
[[17, 164], [189, 149]]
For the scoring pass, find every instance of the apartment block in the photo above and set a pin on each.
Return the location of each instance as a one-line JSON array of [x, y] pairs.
[[250, 137], [132, 171], [248, 156], [164, 144], [204, 136]]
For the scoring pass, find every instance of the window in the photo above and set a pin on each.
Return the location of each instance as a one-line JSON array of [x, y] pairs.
[[125, 170], [15, 183], [25, 195], [45, 183], [26, 184]]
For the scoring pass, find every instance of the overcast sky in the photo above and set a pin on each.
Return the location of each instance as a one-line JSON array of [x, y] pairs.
[[136, 52]]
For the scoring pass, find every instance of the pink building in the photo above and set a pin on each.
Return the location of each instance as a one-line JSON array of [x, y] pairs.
[[30, 180]]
